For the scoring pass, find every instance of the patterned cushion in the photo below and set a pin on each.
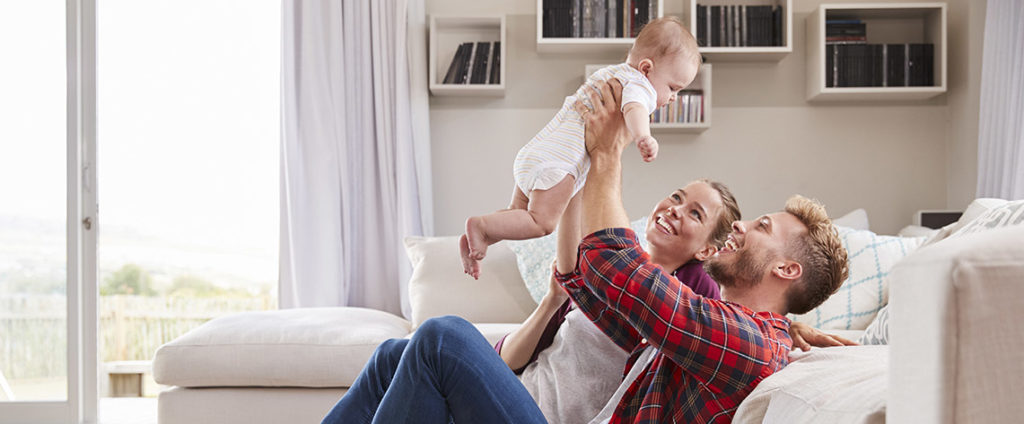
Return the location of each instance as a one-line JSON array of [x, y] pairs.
[[534, 257], [866, 290], [1011, 213], [878, 332]]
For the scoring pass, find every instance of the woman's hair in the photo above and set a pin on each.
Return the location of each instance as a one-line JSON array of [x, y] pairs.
[[730, 212]]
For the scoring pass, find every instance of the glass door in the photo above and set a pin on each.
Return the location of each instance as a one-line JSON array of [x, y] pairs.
[[47, 206]]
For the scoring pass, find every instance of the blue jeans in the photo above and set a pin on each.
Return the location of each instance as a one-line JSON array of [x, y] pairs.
[[446, 372]]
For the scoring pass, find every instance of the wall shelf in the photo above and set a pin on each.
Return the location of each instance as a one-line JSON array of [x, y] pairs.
[[887, 23], [583, 45], [447, 32], [748, 53]]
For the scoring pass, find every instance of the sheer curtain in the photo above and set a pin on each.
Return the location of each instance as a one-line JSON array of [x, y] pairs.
[[1001, 120], [355, 153]]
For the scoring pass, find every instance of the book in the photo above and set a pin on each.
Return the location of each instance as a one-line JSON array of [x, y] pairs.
[[495, 77], [702, 29], [480, 59], [449, 77]]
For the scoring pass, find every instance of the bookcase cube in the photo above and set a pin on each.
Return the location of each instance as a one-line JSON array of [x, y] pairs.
[[447, 33]]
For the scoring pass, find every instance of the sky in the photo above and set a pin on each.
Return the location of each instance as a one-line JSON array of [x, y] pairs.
[[187, 127]]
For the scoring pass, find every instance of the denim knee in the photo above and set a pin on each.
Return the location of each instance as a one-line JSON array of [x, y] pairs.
[[446, 325], [389, 352]]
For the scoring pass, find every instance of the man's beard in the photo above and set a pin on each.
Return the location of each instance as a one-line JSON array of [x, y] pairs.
[[745, 271]]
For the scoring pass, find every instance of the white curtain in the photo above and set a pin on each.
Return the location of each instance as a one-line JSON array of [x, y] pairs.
[[1001, 119], [355, 152]]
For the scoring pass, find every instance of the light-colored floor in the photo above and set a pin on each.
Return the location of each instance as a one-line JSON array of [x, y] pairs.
[[128, 410]]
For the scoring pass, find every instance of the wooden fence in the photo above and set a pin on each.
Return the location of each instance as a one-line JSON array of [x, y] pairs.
[[33, 339]]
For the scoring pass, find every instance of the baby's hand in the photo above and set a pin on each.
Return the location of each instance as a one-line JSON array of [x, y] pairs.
[[648, 147]]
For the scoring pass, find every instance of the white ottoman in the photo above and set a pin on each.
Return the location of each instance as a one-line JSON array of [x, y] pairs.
[[292, 361]]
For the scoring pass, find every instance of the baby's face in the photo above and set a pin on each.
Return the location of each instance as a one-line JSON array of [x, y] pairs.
[[671, 74]]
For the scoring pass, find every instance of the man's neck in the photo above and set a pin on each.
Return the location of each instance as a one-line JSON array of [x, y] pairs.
[[760, 298]]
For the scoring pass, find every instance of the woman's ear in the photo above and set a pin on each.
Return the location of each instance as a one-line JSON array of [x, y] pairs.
[[789, 270], [646, 66], [706, 252]]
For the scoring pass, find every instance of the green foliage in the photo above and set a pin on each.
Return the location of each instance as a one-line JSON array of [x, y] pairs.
[[192, 286], [131, 279]]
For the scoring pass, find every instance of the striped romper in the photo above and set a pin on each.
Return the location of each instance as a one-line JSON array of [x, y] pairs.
[[559, 149]]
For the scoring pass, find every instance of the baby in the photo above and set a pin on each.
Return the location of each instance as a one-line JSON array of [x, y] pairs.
[[551, 169]]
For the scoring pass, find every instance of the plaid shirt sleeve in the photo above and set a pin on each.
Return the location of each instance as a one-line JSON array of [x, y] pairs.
[[714, 341], [608, 320]]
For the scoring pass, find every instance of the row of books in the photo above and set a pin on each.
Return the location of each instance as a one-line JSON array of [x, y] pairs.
[[688, 108], [596, 18], [739, 26], [879, 65], [851, 31], [475, 63]]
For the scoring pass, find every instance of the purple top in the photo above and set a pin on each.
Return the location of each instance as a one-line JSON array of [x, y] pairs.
[[691, 274]]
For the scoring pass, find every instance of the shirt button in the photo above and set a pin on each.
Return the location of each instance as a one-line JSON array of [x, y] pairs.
[[643, 341]]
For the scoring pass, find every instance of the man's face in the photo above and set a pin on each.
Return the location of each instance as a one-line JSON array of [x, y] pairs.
[[753, 249]]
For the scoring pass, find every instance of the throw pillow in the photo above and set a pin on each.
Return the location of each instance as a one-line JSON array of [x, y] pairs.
[[534, 257], [856, 219], [877, 332], [866, 291], [1008, 214]]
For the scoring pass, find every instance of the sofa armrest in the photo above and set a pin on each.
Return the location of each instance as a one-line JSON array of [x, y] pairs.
[[956, 320]]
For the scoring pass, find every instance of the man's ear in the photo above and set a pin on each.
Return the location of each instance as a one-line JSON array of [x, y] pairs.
[[706, 252], [788, 270], [645, 66]]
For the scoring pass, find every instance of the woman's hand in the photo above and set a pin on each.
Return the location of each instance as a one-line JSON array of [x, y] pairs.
[[805, 336], [606, 128], [556, 294]]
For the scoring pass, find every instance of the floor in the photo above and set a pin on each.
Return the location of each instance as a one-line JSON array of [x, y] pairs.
[[133, 410]]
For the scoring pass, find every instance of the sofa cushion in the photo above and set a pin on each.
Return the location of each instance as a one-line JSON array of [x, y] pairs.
[[438, 286], [825, 385], [306, 347], [866, 290]]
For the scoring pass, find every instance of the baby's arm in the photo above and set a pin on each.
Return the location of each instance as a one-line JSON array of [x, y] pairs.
[[639, 123]]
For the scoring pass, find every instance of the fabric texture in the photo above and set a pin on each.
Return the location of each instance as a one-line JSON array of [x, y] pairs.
[[559, 149], [1001, 103], [954, 321], [877, 332], [866, 290], [846, 384], [711, 353], [534, 257], [1006, 215], [289, 347], [439, 287], [355, 153], [245, 405]]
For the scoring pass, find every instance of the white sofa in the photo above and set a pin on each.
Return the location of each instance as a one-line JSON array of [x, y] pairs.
[[955, 355]]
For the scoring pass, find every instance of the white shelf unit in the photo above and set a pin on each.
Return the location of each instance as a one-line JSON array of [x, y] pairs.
[[701, 82], [887, 23], [748, 54], [564, 45], [447, 32]]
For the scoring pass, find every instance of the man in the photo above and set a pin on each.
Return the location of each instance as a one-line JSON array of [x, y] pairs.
[[693, 360]]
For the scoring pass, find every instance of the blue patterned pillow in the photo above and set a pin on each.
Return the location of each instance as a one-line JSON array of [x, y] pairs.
[[534, 257], [866, 291]]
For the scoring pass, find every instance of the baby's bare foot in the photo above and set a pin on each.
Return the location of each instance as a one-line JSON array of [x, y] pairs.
[[469, 265], [476, 238]]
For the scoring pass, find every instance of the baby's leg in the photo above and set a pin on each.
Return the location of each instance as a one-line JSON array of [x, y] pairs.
[[543, 210]]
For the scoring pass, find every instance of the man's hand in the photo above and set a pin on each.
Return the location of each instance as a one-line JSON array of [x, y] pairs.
[[805, 336], [606, 128]]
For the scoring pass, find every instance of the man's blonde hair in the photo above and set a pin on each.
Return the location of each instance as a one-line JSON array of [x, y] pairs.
[[820, 253], [663, 37]]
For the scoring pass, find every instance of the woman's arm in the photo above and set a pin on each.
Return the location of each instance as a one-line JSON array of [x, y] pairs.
[[519, 347]]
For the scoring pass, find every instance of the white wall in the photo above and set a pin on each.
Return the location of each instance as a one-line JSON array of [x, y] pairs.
[[766, 141]]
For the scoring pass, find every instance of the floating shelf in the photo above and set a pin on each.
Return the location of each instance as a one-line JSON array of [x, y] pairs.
[[748, 54], [887, 23], [446, 34], [583, 45], [702, 82]]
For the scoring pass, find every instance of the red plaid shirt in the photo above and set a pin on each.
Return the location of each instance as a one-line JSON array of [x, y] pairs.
[[711, 354]]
